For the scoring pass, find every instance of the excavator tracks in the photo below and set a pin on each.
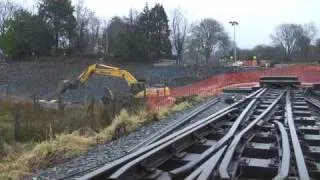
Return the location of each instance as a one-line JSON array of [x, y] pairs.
[[274, 133]]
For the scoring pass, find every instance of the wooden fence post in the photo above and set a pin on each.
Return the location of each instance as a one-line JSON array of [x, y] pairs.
[[7, 92], [61, 105], [1, 142], [114, 107], [92, 114], [17, 123]]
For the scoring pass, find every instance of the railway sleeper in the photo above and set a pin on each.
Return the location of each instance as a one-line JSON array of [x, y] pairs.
[[310, 129], [302, 113], [312, 139], [305, 121], [264, 137], [314, 152], [267, 127], [260, 150], [299, 103], [300, 107], [259, 158], [257, 168]]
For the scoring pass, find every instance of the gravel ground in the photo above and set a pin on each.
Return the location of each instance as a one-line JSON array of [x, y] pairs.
[[115, 149]]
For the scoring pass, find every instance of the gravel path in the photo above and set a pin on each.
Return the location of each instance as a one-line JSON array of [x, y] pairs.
[[115, 149]]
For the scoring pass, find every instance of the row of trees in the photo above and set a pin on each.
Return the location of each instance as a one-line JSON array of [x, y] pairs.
[[291, 42], [58, 27], [141, 36], [147, 36]]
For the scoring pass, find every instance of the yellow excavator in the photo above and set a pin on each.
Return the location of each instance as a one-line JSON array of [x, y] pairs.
[[137, 88]]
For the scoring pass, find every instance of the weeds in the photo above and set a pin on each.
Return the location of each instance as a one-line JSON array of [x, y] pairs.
[[21, 159]]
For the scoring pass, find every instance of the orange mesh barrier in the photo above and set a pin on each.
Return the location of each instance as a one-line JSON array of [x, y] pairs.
[[214, 85]]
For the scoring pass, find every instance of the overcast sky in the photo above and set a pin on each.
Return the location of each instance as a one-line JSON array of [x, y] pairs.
[[257, 18]]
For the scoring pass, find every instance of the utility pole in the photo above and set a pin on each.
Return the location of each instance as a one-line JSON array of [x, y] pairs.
[[234, 24]]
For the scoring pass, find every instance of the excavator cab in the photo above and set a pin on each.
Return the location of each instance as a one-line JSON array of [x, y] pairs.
[[137, 88]]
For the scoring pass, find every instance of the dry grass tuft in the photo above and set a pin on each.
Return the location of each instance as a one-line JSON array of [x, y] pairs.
[[162, 113], [21, 163], [181, 106]]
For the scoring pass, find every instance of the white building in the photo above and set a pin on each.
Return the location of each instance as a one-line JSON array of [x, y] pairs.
[[1, 55]]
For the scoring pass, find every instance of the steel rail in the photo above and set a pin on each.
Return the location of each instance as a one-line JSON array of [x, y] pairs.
[[312, 100], [108, 168], [223, 168], [234, 105], [163, 150], [205, 170], [285, 160], [139, 155], [209, 152], [301, 164], [167, 130]]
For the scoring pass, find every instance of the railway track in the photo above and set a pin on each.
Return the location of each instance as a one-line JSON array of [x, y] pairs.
[[271, 134]]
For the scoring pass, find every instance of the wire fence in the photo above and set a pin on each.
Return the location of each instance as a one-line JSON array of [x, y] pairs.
[[215, 84]]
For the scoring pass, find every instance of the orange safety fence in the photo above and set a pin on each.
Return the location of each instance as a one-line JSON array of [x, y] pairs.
[[215, 84]]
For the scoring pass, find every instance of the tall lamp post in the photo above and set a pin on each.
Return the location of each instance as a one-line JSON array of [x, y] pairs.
[[234, 24]]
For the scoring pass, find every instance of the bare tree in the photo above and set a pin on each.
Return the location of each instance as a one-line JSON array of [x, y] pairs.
[[305, 39], [82, 15], [104, 38], [210, 35], [131, 26], [7, 9], [193, 50], [179, 30], [287, 36], [94, 28]]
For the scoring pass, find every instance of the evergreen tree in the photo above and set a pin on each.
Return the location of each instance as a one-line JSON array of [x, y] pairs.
[[153, 34], [161, 46], [143, 35], [26, 35], [58, 15]]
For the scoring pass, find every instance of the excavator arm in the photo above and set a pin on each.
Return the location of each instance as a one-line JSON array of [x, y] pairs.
[[105, 70], [137, 88]]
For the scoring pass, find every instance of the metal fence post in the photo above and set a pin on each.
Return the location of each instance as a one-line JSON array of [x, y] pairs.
[[158, 99]]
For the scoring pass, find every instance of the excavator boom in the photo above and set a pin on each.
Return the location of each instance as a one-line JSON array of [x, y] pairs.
[[105, 70]]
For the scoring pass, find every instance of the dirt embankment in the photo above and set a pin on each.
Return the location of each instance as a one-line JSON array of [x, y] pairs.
[[25, 79]]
